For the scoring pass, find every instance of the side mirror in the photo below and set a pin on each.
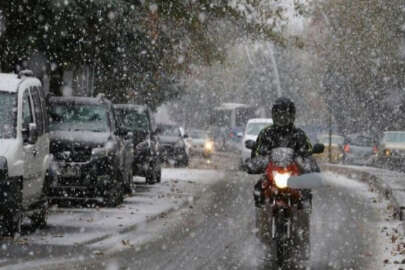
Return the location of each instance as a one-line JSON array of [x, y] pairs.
[[250, 144], [30, 133], [318, 148], [185, 136], [157, 131]]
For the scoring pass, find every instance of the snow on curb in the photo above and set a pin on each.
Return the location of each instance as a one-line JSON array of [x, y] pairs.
[[373, 180]]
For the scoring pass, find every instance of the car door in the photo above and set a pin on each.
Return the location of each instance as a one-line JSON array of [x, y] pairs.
[[42, 143], [31, 167], [120, 143]]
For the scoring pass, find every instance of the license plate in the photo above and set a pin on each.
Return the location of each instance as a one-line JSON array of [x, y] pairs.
[[70, 172]]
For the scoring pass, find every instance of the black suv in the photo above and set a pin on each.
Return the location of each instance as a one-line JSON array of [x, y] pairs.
[[174, 145], [138, 119], [92, 154]]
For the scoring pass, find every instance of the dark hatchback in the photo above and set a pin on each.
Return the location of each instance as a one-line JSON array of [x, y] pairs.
[[92, 154], [359, 149], [138, 119], [173, 145]]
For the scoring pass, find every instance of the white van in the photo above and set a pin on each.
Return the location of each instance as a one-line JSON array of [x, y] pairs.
[[24, 151], [253, 127]]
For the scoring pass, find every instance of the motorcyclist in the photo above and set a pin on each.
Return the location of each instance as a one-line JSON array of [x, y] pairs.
[[283, 133]]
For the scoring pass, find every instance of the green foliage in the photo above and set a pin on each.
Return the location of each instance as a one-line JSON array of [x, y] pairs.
[[359, 49], [136, 47]]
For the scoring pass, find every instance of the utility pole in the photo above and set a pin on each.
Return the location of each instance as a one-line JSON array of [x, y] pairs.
[[330, 136]]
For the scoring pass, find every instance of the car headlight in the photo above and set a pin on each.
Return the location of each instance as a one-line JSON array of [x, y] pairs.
[[179, 144], [99, 152], [3, 167], [281, 179], [103, 151], [209, 146]]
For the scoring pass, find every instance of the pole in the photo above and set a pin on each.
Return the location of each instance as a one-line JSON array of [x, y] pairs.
[[330, 137]]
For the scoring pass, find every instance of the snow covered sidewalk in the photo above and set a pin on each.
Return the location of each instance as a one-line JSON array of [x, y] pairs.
[[390, 183], [100, 230]]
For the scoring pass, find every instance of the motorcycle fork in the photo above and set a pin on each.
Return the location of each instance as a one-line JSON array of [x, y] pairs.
[[277, 213]]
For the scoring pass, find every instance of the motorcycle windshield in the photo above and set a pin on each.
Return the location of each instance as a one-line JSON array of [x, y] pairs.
[[282, 156]]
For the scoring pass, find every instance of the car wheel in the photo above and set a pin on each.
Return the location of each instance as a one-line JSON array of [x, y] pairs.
[[129, 186], [12, 222], [151, 178], [40, 218], [159, 175], [115, 196]]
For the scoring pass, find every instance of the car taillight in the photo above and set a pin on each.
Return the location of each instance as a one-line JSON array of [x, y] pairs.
[[375, 149], [346, 148]]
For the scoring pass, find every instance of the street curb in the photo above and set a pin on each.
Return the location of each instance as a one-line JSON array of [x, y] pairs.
[[374, 182]]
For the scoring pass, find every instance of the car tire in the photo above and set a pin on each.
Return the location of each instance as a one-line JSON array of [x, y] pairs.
[[129, 186], [40, 218], [151, 178], [12, 222], [115, 196], [13, 215], [159, 175]]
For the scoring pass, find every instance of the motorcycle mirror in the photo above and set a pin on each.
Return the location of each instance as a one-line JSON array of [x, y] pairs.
[[318, 148], [250, 144]]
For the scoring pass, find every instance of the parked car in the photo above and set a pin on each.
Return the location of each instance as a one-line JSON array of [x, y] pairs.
[[24, 152], [201, 142], [359, 149], [139, 120], [173, 145], [252, 130], [336, 148], [391, 149], [93, 155]]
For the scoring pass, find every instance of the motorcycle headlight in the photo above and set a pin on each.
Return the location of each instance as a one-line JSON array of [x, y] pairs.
[[281, 179], [209, 145], [387, 152]]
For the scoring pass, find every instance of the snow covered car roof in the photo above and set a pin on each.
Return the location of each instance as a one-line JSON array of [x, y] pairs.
[[79, 100], [131, 107], [260, 120], [9, 82]]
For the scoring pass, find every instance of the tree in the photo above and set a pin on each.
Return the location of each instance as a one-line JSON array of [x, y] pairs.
[[358, 47]]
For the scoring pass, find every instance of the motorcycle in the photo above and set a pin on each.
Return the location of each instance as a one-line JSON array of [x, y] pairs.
[[282, 220]]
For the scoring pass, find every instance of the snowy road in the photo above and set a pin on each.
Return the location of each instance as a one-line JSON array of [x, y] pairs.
[[215, 231], [218, 232]]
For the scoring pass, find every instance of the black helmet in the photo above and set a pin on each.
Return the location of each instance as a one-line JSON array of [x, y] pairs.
[[283, 112]]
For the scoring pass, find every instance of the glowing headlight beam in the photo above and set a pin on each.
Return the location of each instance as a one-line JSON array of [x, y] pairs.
[[281, 179], [209, 145]]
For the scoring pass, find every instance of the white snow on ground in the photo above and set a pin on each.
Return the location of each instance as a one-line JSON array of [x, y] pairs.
[[200, 176], [106, 228], [322, 180], [391, 237]]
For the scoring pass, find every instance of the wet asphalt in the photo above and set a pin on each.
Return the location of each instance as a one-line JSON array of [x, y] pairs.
[[218, 232]]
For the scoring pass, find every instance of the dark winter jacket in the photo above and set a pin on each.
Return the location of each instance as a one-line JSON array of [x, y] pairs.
[[291, 137]]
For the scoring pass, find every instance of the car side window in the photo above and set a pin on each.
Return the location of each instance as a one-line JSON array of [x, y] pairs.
[[27, 112], [38, 110]]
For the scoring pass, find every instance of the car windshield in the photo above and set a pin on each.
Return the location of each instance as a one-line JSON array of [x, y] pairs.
[[132, 120], [8, 112], [360, 141], [255, 128], [198, 134], [170, 131], [335, 139], [394, 137], [78, 117]]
